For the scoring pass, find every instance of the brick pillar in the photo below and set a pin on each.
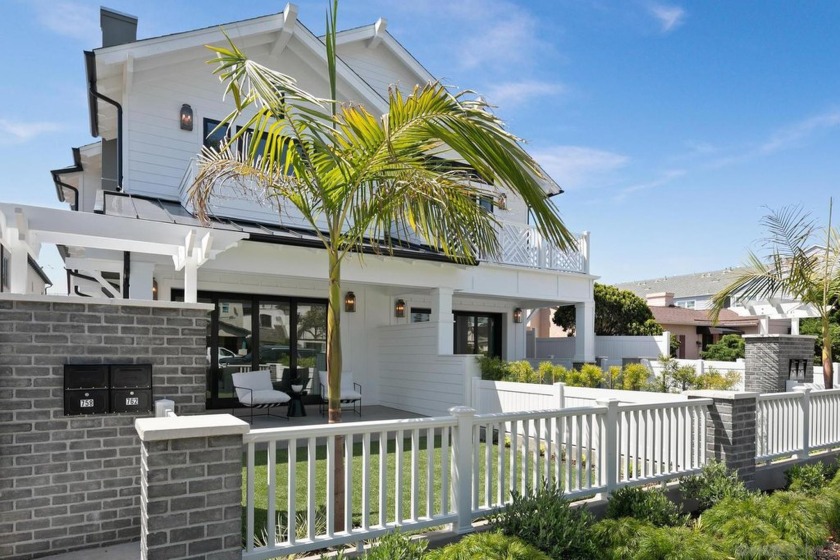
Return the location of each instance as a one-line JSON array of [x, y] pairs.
[[768, 361], [191, 487], [731, 430]]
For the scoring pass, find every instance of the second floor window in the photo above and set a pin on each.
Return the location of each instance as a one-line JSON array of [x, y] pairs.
[[215, 135]]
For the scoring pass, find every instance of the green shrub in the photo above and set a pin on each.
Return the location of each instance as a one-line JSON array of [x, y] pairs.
[[559, 374], [487, 546], [783, 525], [675, 543], [714, 380], [631, 539], [614, 378], [729, 348], [808, 479], [589, 375], [521, 372], [828, 502], [635, 376], [797, 518], [651, 505], [618, 538], [712, 485], [492, 369], [397, 545], [545, 519], [545, 371]]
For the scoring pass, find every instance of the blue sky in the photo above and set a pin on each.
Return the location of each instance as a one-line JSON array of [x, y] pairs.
[[672, 126]]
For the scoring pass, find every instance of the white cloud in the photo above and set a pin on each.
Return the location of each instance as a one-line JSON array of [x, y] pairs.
[[792, 135], [13, 132], [508, 94], [70, 19], [663, 179], [576, 167], [669, 17], [784, 138]]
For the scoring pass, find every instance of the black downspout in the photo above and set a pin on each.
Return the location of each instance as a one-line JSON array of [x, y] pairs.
[[119, 134], [126, 273], [90, 68]]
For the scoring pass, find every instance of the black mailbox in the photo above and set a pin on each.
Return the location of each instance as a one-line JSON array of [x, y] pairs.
[[131, 376], [85, 401], [131, 400], [102, 388], [85, 376]]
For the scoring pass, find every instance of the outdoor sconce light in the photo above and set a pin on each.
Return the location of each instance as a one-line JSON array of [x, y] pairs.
[[186, 117], [350, 302], [399, 309], [503, 201], [517, 315]]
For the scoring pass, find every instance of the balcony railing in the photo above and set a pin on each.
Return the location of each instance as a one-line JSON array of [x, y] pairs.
[[523, 245]]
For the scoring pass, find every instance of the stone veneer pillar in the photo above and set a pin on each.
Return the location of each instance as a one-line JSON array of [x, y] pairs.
[[768, 361], [731, 430], [191, 487]]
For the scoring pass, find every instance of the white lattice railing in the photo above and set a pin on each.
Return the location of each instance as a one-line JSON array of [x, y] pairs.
[[523, 245]]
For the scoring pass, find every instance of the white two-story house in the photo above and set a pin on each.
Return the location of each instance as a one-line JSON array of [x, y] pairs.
[[412, 322]]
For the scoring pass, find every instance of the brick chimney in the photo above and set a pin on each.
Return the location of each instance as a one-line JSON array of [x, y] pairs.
[[660, 299]]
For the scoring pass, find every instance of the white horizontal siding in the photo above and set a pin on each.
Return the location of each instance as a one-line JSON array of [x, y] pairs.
[[414, 377]]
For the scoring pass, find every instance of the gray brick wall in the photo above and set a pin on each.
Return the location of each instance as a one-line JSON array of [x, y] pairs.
[[191, 497], [731, 430], [767, 360], [72, 482]]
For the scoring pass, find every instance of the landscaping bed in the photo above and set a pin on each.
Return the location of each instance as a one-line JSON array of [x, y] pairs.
[[732, 522]]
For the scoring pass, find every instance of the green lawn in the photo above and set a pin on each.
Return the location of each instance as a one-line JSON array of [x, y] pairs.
[[320, 490]]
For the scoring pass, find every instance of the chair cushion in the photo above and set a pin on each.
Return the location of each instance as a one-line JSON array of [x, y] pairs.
[[255, 380], [350, 395], [265, 396]]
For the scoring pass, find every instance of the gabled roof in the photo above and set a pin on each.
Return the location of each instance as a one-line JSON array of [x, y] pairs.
[[696, 317], [700, 284]]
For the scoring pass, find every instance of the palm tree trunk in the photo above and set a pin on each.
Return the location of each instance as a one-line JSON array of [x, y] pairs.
[[334, 377], [828, 366]]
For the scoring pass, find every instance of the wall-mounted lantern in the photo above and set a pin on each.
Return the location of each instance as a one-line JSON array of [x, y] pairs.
[[517, 315], [186, 117], [350, 302], [399, 309]]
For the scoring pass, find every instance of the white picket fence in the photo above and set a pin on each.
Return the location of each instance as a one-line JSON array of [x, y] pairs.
[[796, 423], [479, 460]]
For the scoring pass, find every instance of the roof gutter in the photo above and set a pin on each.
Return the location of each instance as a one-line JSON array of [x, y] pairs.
[[93, 106], [61, 185]]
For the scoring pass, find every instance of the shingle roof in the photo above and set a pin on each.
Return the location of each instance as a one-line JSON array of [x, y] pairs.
[[686, 285], [699, 317]]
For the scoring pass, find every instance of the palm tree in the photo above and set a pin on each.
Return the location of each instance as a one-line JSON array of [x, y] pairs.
[[803, 262], [363, 181]]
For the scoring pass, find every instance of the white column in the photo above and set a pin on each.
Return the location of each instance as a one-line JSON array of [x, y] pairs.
[[443, 317], [191, 279], [585, 331], [19, 265], [142, 280], [794, 325]]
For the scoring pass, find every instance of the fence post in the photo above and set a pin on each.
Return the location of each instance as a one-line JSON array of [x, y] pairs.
[[191, 486], [462, 467], [805, 421], [560, 394], [609, 450]]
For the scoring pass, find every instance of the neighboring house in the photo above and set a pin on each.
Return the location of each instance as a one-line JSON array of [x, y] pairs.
[[780, 315], [693, 328], [412, 321]]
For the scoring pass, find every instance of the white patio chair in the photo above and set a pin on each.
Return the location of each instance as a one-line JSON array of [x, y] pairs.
[[254, 390], [351, 392]]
